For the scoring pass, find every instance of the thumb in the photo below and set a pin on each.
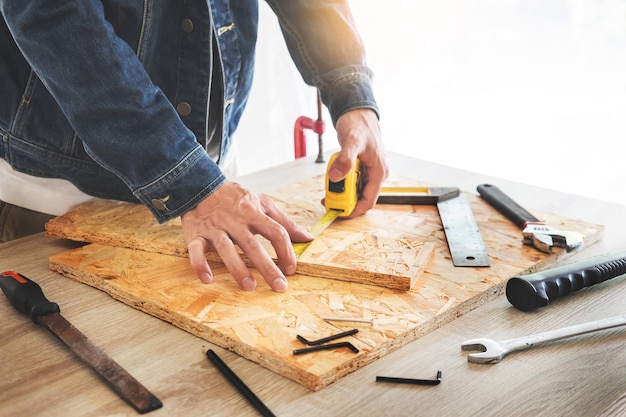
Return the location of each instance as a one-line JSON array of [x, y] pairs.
[[341, 166]]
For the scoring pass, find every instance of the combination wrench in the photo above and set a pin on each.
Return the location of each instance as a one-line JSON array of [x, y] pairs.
[[493, 351]]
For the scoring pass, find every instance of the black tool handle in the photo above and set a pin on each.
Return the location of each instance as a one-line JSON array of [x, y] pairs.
[[505, 205], [26, 296], [527, 292]]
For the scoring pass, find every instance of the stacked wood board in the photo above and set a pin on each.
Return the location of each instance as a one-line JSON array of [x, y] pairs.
[[388, 247], [390, 269]]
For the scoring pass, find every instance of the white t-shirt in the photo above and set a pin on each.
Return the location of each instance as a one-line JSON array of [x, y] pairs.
[[46, 195]]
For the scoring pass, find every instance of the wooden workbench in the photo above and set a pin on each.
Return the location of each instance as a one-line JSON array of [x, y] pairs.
[[580, 376]]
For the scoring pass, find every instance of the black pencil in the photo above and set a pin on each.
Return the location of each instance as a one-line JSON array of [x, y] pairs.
[[239, 384]]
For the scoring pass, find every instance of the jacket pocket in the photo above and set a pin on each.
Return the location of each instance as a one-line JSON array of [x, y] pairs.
[[40, 121]]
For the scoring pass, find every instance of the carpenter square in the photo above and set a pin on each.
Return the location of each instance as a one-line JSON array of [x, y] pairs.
[[462, 234], [28, 298]]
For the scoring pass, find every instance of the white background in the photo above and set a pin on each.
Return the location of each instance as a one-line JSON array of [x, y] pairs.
[[529, 90]]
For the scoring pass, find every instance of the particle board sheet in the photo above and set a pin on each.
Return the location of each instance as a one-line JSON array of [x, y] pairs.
[[381, 248], [262, 325]]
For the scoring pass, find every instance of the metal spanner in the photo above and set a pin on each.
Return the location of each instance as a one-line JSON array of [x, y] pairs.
[[534, 231], [493, 351]]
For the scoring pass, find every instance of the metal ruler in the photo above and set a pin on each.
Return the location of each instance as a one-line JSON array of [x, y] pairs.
[[464, 240]]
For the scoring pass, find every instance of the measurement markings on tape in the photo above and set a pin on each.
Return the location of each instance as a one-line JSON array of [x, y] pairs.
[[317, 230]]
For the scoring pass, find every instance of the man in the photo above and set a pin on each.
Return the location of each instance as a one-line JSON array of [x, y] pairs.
[[137, 100]]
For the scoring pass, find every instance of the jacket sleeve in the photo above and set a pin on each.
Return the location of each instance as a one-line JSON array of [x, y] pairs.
[[126, 123], [327, 49]]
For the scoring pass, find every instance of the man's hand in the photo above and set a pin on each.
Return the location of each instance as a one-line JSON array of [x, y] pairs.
[[233, 215], [359, 136]]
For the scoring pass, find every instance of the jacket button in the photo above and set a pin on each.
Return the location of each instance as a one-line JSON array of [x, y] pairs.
[[159, 204], [186, 25], [183, 108]]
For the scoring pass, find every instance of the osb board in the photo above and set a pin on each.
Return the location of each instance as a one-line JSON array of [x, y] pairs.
[[381, 248], [262, 325]]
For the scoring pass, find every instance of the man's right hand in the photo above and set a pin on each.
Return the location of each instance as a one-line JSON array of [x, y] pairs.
[[233, 215]]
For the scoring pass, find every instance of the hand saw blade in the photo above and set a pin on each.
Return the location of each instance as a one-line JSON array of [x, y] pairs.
[[317, 230], [124, 384], [464, 240]]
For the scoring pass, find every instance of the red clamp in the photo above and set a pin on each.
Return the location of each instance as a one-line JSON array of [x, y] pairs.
[[317, 126], [299, 137]]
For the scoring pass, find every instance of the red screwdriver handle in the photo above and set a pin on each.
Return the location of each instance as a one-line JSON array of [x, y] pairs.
[[26, 296]]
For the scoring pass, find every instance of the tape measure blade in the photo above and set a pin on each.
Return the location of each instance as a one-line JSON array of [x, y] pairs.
[[464, 240], [317, 230]]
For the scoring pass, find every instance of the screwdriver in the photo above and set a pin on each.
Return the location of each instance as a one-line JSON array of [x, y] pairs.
[[28, 298]]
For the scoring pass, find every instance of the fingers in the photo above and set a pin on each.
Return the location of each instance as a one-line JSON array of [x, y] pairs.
[[373, 177], [343, 164], [199, 264], [228, 253], [281, 231], [235, 216], [294, 230], [359, 135], [259, 257], [230, 256]]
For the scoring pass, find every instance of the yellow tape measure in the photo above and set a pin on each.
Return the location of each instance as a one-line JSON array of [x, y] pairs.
[[340, 200], [342, 195], [317, 230]]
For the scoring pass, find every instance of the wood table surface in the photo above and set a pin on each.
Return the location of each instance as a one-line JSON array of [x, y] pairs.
[[581, 376]]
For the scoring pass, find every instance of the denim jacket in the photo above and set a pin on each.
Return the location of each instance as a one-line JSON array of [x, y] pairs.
[[123, 97]]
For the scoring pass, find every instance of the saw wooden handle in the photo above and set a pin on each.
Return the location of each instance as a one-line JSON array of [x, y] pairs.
[[527, 292]]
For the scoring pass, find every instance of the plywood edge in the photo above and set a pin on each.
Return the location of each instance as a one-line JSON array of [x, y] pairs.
[[396, 282], [424, 257], [57, 228]]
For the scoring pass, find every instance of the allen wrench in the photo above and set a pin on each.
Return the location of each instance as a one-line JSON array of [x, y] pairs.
[[326, 347], [320, 344], [327, 339], [411, 381]]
